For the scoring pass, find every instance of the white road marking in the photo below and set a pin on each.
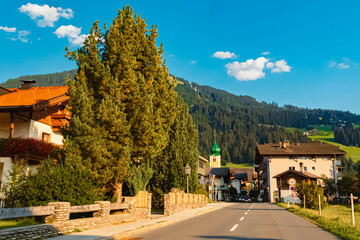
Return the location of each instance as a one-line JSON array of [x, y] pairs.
[[246, 213], [252, 206], [242, 218], [234, 227]]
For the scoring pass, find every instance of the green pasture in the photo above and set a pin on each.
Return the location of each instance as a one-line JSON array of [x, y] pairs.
[[334, 218], [327, 135], [241, 165]]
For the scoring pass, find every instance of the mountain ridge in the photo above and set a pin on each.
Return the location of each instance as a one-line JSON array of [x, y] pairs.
[[240, 121]]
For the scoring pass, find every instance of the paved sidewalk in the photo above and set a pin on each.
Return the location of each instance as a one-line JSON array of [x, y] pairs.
[[124, 229]]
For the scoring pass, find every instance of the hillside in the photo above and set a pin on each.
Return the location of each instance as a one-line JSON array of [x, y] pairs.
[[43, 80], [240, 121]]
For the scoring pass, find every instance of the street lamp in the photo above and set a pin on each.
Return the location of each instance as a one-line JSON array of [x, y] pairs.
[[187, 173]]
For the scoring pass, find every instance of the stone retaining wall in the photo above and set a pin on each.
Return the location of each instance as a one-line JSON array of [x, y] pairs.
[[58, 219], [177, 201]]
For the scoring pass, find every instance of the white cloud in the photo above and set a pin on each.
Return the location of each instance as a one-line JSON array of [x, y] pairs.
[[72, 33], [270, 65], [23, 33], [8, 29], [281, 66], [224, 55], [193, 62], [343, 66], [265, 53], [249, 70], [22, 36], [44, 15]]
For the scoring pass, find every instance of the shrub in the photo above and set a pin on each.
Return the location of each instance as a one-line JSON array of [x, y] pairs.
[[50, 182], [311, 191], [200, 189]]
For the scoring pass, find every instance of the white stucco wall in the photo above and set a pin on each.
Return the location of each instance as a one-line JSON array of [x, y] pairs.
[[38, 128], [23, 129], [277, 165], [7, 167]]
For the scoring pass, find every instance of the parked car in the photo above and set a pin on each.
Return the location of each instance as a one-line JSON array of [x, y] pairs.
[[244, 199]]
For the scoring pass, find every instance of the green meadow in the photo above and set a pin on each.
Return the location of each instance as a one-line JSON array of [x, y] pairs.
[[327, 135]]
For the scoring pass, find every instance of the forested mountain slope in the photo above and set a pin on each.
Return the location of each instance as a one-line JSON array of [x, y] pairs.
[[43, 80], [240, 121]]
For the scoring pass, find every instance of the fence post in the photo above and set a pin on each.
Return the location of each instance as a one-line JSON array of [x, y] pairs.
[[319, 204], [104, 211], [61, 213], [352, 210], [304, 202]]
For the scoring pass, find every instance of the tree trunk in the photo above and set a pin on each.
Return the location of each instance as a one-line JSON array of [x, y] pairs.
[[118, 191]]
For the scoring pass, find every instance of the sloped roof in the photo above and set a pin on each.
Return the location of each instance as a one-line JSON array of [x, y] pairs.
[[302, 174], [35, 95], [220, 172], [240, 175], [315, 148], [249, 171]]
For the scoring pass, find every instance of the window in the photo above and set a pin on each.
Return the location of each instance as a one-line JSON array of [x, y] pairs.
[[291, 168], [305, 169], [303, 158], [313, 168], [214, 159], [201, 165], [46, 137], [291, 157]]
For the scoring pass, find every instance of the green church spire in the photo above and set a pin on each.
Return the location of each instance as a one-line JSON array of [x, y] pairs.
[[215, 150]]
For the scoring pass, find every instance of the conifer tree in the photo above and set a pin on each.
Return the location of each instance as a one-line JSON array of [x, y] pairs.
[[98, 131], [122, 100], [180, 151]]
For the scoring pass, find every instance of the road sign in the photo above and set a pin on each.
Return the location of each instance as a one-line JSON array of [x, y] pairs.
[[292, 181], [292, 188]]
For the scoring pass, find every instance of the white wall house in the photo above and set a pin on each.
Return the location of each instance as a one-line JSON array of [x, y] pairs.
[[31, 112], [279, 163]]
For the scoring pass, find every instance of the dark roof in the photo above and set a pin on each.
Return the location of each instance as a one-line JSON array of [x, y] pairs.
[[220, 172], [302, 174], [249, 171], [240, 175], [315, 148]]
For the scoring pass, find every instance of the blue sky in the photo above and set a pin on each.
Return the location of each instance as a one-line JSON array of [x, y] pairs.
[[303, 53]]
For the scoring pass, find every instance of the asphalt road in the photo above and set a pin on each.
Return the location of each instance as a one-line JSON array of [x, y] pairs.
[[241, 221]]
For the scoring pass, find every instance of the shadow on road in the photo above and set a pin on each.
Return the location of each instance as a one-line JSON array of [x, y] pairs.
[[233, 238]]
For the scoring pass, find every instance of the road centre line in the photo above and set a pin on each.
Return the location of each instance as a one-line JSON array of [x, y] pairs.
[[242, 218], [234, 227]]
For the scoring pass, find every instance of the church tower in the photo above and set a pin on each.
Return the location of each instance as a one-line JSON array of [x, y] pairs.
[[215, 157]]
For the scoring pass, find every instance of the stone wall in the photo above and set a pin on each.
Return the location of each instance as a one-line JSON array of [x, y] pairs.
[[58, 221], [177, 201]]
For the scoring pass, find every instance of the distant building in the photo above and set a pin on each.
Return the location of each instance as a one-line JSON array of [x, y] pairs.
[[201, 169], [215, 157], [281, 166]]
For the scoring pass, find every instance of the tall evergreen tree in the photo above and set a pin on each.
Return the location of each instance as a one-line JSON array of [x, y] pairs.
[[122, 100], [180, 151], [98, 129]]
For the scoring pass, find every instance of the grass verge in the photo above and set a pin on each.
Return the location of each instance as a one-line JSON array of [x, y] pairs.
[[17, 223], [335, 219]]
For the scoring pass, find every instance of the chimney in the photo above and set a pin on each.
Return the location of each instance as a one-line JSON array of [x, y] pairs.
[[27, 84], [286, 144], [281, 144]]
